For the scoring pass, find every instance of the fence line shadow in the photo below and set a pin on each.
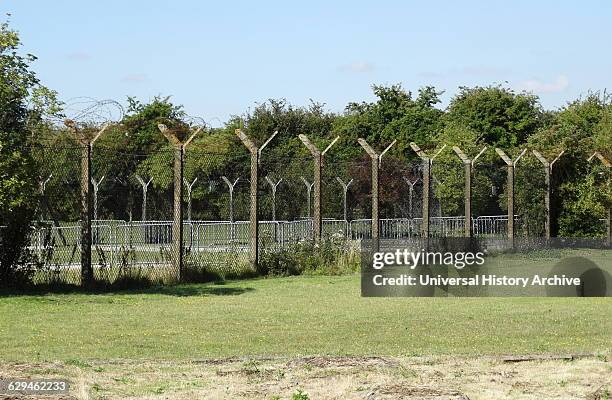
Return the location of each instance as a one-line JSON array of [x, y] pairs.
[[178, 290]]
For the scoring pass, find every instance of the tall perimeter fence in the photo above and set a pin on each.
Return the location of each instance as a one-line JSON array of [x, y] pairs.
[[105, 213]]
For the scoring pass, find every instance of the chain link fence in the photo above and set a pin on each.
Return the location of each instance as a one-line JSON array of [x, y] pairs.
[[130, 198]]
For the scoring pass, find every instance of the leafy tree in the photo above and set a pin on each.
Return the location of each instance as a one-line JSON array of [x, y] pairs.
[[395, 115], [449, 174], [581, 194], [141, 122], [23, 103], [137, 147], [221, 153], [500, 116]]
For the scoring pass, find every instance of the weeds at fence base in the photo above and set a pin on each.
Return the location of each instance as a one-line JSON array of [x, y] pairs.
[[198, 273], [329, 257], [49, 282]]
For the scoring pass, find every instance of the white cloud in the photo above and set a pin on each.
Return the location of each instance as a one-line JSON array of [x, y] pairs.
[[538, 86], [358, 66]]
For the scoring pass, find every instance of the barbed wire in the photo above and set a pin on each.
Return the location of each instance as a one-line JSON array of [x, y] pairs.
[[195, 121], [89, 111]]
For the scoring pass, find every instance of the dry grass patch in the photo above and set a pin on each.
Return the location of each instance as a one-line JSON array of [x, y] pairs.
[[366, 378]]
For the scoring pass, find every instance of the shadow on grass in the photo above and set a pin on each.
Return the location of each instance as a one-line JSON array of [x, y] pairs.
[[218, 289], [180, 290], [197, 281]]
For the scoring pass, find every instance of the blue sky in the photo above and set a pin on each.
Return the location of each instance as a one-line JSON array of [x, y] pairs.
[[220, 58]]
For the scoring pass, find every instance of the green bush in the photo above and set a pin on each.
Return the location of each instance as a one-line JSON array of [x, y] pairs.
[[329, 257], [17, 264]]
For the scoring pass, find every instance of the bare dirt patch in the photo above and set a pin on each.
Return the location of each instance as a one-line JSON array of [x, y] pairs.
[[400, 392], [344, 362], [321, 377]]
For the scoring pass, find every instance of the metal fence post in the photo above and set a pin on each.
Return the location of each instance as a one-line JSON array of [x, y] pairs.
[[375, 158], [510, 189], [273, 187], [425, 227], [427, 163], [468, 199], [547, 211], [318, 165], [308, 193], [511, 166], [468, 168], [609, 226], [145, 189], [177, 223], [254, 217], [96, 188], [375, 193], [86, 215], [87, 273], [317, 223], [548, 167], [231, 187], [189, 187], [411, 194], [345, 187], [608, 165]]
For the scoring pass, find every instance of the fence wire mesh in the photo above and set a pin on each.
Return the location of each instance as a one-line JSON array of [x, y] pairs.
[[216, 213], [55, 238], [133, 233]]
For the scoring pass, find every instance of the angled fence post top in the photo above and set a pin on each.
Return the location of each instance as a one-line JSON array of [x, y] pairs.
[[308, 184], [411, 183], [371, 152], [509, 162], [189, 185], [246, 141], [342, 183], [415, 147], [544, 161], [250, 145], [97, 183], [601, 158], [461, 155], [82, 138], [314, 150], [43, 182], [229, 183], [173, 139], [271, 182], [141, 181], [464, 158]]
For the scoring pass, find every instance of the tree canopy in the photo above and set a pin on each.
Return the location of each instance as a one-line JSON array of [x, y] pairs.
[[492, 116]]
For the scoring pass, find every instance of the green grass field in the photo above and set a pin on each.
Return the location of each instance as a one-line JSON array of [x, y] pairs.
[[272, 338], [303, 315]]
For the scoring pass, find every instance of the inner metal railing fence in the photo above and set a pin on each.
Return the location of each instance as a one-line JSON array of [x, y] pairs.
[[217, 236], [122, 245]]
